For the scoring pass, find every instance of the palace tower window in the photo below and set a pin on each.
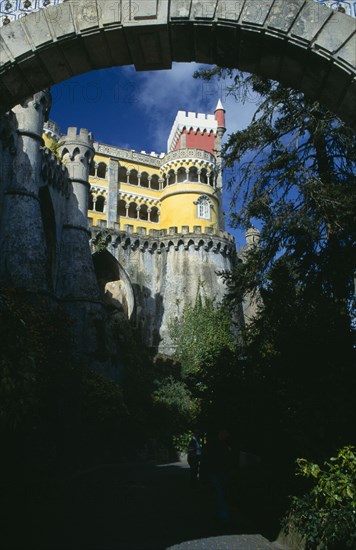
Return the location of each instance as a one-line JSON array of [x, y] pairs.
[[203, 208]]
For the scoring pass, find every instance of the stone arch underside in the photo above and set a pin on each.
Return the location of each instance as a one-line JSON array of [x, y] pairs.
[[300, 43]]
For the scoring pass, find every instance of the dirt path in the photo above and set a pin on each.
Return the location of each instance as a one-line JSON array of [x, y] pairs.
[[134, 507]]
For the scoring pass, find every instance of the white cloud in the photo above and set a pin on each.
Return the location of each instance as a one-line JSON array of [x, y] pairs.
[[160, 94]]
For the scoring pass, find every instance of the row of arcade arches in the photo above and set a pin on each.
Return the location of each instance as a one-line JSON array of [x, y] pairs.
[[133, 210], [154, 181]]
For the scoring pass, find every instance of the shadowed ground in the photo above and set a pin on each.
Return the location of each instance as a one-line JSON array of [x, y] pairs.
[[134, 506]]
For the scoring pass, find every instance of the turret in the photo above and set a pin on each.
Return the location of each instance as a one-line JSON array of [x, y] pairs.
[[76, 277], [77, 153], [220, 116], [252, 237], [22, 239], [220, 131]]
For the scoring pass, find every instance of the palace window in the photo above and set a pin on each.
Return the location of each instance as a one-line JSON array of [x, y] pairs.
[[143, 213], [154, 182], [90, 202], [193, 174], [133, 179], [182, 175], [92, 168], [154, 214], [101, 170], [203, 208], [121, 208], [132, 210], [203, 176], [100, 203], [144, 180]]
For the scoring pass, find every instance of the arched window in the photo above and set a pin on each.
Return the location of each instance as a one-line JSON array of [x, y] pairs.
[[203, 176], [101, 172], [121, 208], [132, 211], [154, 182], [100, 203], [92, 168], [76, 152], [154, 214], [193, 174], [144, 179], [182, 175], [203, 208], [122, 174], [164, 184], [171, 177], [133, 179], [143, 213], [90, 202]]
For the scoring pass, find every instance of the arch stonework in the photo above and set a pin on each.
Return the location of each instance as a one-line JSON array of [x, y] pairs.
[[300, 43]]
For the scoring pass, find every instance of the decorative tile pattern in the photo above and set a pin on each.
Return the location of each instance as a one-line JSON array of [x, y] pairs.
[[348, 7], [10, 10]]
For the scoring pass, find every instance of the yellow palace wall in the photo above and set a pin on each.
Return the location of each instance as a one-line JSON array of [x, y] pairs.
[[179, 208], [176, 202]]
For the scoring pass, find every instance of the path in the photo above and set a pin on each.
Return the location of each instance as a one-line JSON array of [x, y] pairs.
[[135, 507]]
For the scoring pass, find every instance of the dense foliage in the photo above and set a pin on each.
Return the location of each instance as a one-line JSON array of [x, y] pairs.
[[326, 515], [292, 174], [205, 346], [200, 335]]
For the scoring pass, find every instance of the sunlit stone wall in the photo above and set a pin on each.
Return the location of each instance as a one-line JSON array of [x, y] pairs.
[[10, 10]]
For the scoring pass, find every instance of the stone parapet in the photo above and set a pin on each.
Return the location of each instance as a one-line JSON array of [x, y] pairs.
[[219, 242], [191, 153], [126, 154], [184, 230]]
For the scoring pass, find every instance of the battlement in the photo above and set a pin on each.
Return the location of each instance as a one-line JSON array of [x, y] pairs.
[[52, 129], [190, 121], [158, 241], [84, 136], [54, 172]]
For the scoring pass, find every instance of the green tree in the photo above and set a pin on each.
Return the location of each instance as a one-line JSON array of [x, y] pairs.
[[200, 336], [293, 174], [205, 348]]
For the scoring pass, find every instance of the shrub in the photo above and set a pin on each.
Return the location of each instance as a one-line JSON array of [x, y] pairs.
[[326, 515]]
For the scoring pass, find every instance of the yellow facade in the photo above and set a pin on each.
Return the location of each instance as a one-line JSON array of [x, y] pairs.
[[179, 191], [176, 192]]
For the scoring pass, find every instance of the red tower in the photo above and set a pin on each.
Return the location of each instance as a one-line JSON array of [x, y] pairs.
[[197, 130]]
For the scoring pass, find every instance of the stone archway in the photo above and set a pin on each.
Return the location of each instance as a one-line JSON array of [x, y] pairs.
[[299, 43]]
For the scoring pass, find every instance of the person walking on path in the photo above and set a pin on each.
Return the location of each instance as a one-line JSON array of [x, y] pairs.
[[219, 466], [194, 456]]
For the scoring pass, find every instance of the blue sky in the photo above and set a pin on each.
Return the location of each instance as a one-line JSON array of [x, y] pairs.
[[136, 110]]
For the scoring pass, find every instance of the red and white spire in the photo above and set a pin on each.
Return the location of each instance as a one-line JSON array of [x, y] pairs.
[[220, 115]]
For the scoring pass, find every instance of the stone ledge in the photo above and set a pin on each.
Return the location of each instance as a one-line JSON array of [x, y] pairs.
[[220, 242]]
